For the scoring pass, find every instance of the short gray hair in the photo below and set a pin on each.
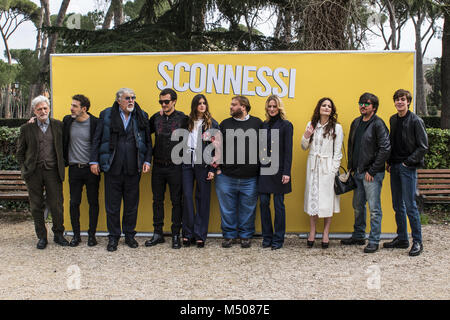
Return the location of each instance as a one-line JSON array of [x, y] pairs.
[[122, 91], [38, 100]]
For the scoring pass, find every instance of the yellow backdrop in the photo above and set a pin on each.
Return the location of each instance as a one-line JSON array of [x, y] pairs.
[[302, 78]]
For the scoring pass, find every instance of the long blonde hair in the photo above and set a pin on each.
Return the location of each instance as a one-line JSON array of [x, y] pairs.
[[280, 106]]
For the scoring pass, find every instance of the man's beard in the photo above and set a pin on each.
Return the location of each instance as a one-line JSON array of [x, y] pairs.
[[237, 113]]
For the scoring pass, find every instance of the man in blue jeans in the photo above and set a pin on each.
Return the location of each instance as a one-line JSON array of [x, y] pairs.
[[409, 142], [368, 150], [237, 180]]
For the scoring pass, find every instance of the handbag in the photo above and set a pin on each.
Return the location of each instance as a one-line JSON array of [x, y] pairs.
[[344, 182]]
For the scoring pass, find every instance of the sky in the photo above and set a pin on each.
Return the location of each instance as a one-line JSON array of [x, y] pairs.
[[25, 36]]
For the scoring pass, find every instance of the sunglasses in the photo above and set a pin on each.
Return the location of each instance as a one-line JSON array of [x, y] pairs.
[[365, 104], [161, 102], [130, 98]]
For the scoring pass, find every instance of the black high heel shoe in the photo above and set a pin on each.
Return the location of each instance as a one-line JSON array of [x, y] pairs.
[[310, 244], [325, 245], [200, 244]]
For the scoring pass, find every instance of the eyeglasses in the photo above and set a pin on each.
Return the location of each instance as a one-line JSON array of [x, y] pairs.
[[365, 104], [161, 102], [130, 98]]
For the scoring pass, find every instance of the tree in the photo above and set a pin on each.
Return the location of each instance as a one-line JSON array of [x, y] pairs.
[[433, 77], [419, 12], [45, 58], [12, 14], [395, 12], [445, 67]]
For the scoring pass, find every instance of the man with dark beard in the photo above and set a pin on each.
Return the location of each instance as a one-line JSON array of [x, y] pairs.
[[236, 182]]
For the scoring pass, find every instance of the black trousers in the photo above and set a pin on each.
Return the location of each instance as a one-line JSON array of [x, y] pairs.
[[118, 187], [196, 219], [79, 177], [48, 181], [161, 176]]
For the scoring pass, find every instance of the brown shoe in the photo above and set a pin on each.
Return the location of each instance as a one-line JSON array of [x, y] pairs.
[[226, 243], [246, 243]]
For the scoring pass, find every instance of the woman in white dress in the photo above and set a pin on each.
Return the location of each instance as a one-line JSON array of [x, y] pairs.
[[323, 137]]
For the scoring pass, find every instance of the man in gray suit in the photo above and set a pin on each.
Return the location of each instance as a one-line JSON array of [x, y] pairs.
[[40, 154]]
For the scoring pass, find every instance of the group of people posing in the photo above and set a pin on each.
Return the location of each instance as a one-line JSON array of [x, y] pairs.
[[248, 158]]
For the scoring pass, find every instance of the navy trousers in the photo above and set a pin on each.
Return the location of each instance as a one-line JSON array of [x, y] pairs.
[[196, 220]]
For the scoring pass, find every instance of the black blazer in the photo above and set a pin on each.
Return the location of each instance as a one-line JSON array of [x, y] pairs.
[[272, 183], [67, 124]]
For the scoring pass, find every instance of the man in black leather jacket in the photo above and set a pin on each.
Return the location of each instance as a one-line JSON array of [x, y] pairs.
[[165, 171], [409, 142], [368, 150]]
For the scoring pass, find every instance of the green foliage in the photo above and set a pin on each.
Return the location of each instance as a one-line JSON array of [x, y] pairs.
[[433, 77], [8, 162], [432, 110], [438, 156], [8, 145], [7, 73], [432, 121]]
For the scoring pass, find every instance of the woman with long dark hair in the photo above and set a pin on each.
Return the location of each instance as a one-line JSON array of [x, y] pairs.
[[323, 137], [278, 183], [199, 125]]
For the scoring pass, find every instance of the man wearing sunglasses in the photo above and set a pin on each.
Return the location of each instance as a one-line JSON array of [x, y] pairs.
[[368, 149], [122, 149], [409, 145], [165, 172]]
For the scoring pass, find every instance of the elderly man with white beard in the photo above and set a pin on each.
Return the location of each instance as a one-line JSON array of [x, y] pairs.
[[122, 149]]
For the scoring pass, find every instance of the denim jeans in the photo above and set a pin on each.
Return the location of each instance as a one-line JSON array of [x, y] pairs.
[[237, 202], [367, 192], [403, 188], [269, 237]]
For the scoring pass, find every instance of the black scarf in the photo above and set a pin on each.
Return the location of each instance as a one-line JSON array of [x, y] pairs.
[[117, 125]]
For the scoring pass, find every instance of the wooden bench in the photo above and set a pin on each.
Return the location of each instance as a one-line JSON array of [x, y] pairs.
[[433, 186], [12, 186]]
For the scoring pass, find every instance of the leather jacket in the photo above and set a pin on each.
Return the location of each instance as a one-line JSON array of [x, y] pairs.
[[414, 137], [163, 126], [375, 149]]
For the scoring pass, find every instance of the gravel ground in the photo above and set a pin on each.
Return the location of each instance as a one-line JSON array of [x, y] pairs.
[[294, 272]]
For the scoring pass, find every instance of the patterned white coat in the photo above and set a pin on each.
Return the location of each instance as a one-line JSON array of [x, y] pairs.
[[321, 168]]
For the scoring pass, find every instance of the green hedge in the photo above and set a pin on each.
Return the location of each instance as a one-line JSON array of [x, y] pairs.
[[438, 157], [8, 148], [432, 121], [12, 123]]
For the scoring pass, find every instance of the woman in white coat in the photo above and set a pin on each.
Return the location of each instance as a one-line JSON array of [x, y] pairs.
[[323, 137]]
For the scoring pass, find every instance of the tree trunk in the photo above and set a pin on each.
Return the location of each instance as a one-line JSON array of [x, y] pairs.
[[445, 72], [108, 17], [393, 24], [45, 67], [118, 12], [421, 102]]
